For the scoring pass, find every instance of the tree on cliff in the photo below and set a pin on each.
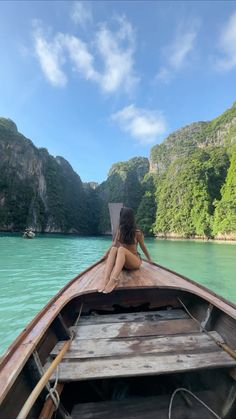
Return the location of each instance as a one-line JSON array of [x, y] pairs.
[[225, 212], [186, 193]]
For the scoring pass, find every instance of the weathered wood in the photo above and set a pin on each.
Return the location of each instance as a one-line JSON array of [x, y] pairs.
[[135, 317], [146, 408], [139, 365], [99, 348], [128, 329]]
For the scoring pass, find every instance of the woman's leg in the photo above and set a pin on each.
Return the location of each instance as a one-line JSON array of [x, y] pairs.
[[126, 259], [109, 267]]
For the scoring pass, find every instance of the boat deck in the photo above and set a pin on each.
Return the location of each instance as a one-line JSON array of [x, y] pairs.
[[139, 344]]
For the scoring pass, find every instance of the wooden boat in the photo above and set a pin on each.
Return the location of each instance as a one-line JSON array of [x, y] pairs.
[[147, 350]]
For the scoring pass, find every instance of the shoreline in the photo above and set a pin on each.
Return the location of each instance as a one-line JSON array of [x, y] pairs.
[[199, 239], [230, 240]]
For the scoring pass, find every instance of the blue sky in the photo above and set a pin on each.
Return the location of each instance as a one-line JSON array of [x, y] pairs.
[[101, 82]]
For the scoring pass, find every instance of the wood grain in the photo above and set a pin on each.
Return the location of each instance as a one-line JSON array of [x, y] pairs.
[[128, 329], [139, 365], [100, 348]]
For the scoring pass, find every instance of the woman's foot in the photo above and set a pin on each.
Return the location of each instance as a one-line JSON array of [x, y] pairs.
[[103, 284], [111, 285]]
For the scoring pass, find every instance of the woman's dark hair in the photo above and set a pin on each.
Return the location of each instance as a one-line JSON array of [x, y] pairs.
[[127, 226]]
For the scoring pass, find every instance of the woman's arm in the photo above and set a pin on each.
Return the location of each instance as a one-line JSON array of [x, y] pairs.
[[143, 247]]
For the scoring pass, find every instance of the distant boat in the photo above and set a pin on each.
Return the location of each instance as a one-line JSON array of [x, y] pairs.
[[28, 233], [152, 348]]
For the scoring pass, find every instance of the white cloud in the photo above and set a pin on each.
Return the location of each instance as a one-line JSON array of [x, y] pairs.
[[80, 56], [50, 56], [81, 13], [181, 48], [142, 124], [117, 50], [177, 54], [227, 44], [113, 52]]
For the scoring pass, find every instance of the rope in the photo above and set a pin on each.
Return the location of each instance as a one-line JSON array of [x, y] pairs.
[[195, 397], [222, 345], [77, 320], [53, 393]]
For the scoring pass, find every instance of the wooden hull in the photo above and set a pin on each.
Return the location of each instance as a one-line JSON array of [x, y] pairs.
[[131, 349]]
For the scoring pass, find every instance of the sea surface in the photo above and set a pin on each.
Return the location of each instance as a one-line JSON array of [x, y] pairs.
[[32, 271]]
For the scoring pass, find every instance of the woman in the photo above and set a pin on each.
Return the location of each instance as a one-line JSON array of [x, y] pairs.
[[123, 252]]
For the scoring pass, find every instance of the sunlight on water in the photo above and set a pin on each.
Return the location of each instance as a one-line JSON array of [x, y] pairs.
[[32, 271]]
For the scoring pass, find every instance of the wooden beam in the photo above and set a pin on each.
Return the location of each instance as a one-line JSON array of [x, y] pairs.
[[141, 365], [129, 329], [100, 348]]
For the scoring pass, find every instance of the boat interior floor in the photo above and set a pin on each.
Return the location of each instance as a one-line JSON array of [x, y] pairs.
[[139, 347], [145, 343]]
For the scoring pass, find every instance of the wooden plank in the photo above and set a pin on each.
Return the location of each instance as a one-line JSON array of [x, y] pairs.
[[134, 317], [99, 348], [126, 329], [140, 366]]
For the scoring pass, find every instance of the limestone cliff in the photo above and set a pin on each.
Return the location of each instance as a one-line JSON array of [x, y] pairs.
[[124, 184], [194, 196], [37, 189], [221, 131]]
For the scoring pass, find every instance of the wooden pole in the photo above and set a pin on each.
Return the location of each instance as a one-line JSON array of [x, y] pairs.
[[43, 381], [45, 378]]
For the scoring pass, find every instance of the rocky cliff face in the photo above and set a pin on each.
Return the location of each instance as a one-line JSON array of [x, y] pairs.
[[37, 189], [193, 169], [220, 131], [187, 190]]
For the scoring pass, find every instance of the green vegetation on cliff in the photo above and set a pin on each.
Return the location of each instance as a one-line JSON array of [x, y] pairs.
[[225, 212], [37, 189], [221, 131], [186, 194], [124, 184], [187, 190], [192, 166], [146, 211]]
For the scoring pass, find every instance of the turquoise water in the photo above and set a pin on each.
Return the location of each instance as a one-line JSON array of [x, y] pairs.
[[32, 271]]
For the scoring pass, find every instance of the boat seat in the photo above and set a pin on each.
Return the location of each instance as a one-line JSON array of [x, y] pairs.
[[135, 344]]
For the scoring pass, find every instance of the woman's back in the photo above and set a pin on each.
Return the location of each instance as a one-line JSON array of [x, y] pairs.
[[132, 247]]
